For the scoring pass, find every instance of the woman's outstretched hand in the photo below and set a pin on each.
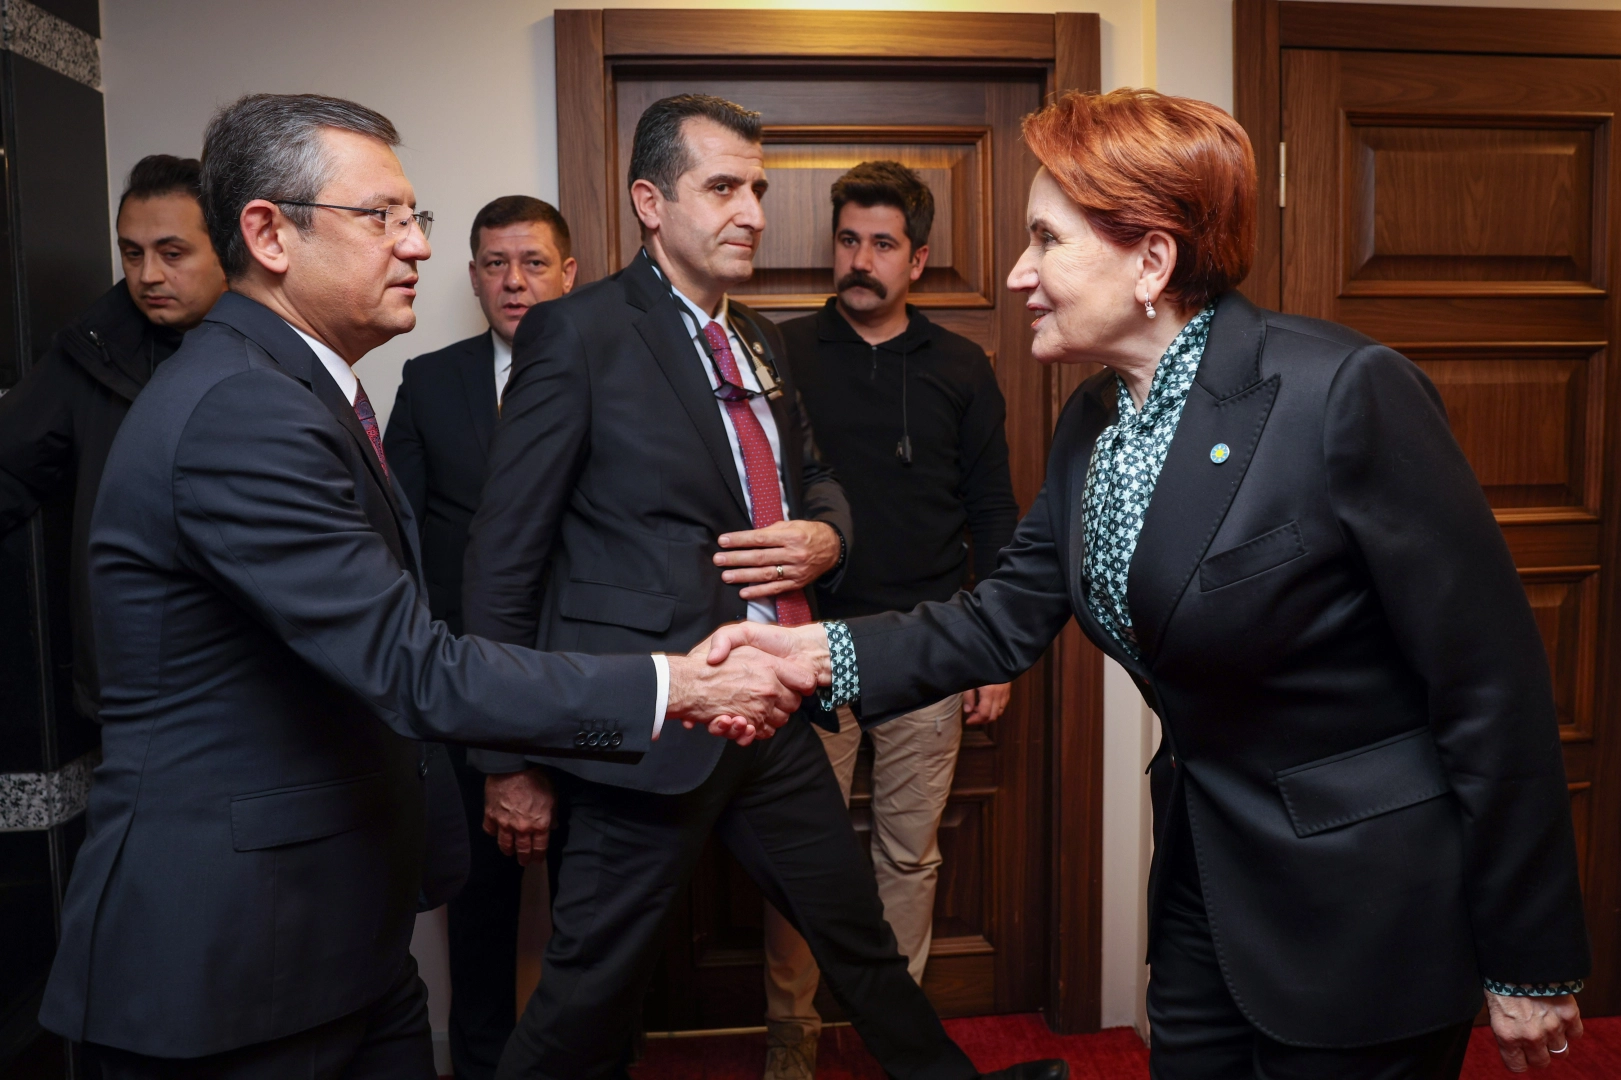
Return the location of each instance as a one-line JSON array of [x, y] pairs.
[[1531, 1030], [805, 645]]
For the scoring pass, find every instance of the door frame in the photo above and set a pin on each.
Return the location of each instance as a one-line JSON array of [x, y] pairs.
[[589, 44], [1262, 29]]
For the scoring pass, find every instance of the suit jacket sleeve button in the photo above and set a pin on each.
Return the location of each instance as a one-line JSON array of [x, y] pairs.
[[422, 770], [579, 738], [616, 739]]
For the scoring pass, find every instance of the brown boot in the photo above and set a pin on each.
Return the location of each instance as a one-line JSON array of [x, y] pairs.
[[790, 1051]]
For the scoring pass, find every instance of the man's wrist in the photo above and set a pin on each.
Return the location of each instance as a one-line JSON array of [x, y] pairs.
[[661, 699], [844, 549]]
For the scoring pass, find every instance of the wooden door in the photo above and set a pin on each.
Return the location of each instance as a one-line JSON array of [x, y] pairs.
[[1457, 205], [944, 94]]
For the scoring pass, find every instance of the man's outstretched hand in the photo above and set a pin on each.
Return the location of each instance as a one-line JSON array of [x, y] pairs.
[[745, 696]]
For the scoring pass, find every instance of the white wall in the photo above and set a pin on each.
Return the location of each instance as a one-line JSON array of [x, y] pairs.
[[470, 86]]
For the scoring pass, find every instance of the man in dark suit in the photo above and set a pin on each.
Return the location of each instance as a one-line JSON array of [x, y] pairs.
[[645, 429], [57, 424], [438, 443], [243, 904]]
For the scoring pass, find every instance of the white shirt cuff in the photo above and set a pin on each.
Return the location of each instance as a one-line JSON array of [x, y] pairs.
[[661, 673]]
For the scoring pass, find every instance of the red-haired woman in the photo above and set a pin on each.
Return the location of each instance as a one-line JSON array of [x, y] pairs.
[[1361, 818]]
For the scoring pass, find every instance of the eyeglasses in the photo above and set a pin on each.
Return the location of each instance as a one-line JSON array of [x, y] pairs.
[[396, 219]]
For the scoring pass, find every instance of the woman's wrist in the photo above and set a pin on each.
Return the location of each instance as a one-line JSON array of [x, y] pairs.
[[845, 684], [1553, 989]]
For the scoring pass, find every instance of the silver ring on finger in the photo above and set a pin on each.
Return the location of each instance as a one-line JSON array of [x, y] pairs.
[[780, 574], [1561, 1050]]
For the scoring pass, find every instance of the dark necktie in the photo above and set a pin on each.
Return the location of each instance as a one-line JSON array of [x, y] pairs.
[[368, 420], [759, 467]]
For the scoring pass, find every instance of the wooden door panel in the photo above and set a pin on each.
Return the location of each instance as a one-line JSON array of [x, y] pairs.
[[1553, 395], [1425, 217], [959, 126], [1458, 207], [1564, 601]]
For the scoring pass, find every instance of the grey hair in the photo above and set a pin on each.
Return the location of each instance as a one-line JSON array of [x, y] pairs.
[[268, 146], [660, 153]]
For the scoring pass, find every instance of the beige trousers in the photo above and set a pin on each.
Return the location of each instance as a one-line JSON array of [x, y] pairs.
[[914, 757]]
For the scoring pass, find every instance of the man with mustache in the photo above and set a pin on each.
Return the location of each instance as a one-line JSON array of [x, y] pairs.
[[911, 418], [438, 443], [646, 483], [58, 422]]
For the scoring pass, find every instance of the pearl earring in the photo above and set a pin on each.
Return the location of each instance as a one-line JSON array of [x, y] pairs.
[[1148, 308]]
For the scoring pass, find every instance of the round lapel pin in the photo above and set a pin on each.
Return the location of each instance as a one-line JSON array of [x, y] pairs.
[[1220, 453]]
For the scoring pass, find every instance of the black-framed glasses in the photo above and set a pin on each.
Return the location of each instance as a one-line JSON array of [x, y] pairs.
[[396, 218]]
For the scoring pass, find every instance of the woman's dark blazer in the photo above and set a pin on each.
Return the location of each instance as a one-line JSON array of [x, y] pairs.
[[1355, 699]]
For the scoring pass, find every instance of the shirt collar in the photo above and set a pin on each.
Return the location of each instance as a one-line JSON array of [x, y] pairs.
[[503, 357], [1173, 377], [703, 317], [335, 365]]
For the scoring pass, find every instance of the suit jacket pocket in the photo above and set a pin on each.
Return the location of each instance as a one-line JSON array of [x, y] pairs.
[[617, 605], [1251, 557], [1391, 774], [267, 819]]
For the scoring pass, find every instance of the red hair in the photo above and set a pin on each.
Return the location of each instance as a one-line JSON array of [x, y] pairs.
[[1138, 160]]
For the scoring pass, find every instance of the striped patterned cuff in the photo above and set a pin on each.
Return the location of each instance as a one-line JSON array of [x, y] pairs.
[[841, 652], [1557, 989]]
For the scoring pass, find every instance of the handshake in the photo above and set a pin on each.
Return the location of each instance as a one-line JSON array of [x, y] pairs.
[[746, 679]]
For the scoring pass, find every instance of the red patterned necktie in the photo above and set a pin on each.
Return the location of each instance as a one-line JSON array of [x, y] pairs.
[[765, 497], [368, 420]]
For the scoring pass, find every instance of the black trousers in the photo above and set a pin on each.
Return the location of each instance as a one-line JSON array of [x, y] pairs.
[[1199, 1033], [387, 1040], [483, 932], [625, 857]]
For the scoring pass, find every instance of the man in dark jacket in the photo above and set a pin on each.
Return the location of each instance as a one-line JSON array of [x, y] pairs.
[[438, 443], [57, 423], [911, 419]]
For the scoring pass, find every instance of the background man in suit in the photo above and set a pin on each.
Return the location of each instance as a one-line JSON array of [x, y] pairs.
[[438, 442], [636, 448], [910, 416], [243, 904], [57, 424]]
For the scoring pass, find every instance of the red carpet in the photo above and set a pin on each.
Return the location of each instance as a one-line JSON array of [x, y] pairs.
[[995, 1042]]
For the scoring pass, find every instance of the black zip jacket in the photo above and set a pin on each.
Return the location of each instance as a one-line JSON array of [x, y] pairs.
[[56, 426], [911, 518]]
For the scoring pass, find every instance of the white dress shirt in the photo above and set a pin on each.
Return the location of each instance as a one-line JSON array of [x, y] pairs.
[[349, 385], [336, 366], [503, 366]]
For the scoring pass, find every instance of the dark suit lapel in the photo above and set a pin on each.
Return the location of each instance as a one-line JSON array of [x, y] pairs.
[[669, 340], [271, 333], [476, 367], [1228, 403]]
